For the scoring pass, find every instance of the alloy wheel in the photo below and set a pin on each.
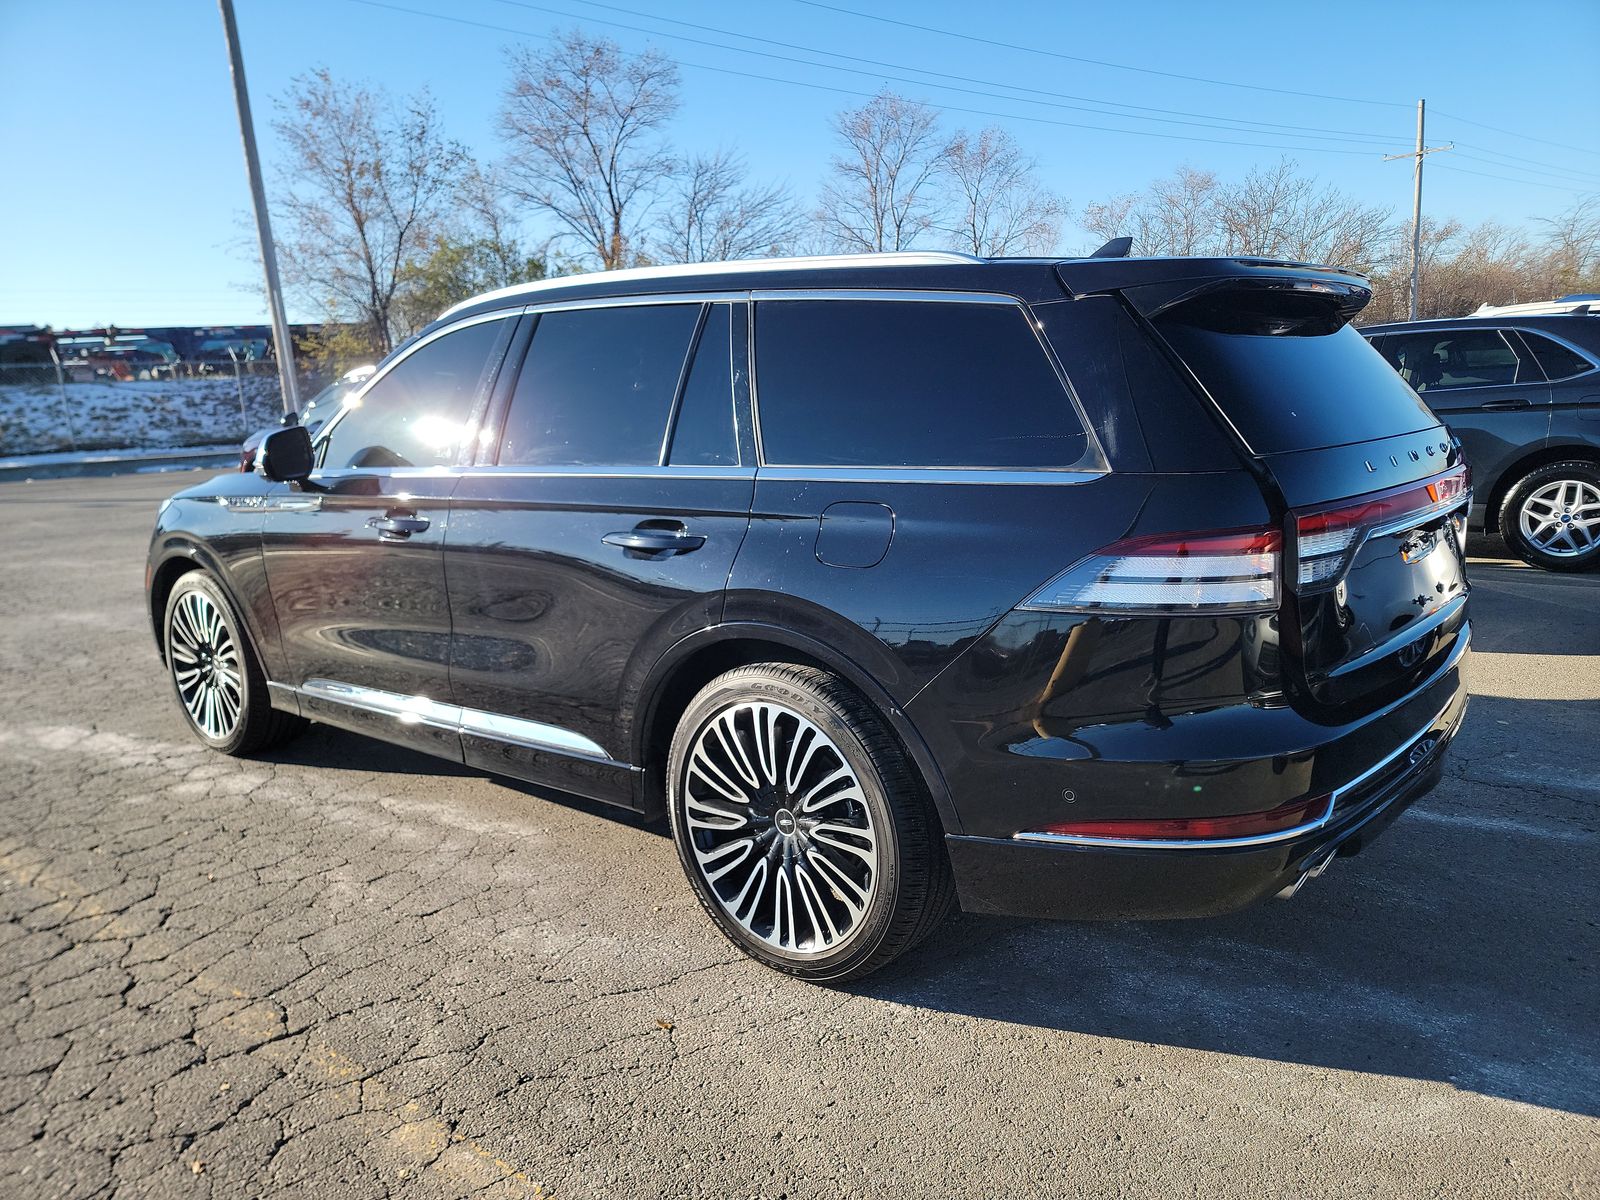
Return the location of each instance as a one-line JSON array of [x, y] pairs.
[[779, 828], [205, 665], [1562, 518]]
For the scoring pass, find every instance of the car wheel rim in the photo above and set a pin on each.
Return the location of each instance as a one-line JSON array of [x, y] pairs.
[[205, 665], [1562, 518], [780, 829]]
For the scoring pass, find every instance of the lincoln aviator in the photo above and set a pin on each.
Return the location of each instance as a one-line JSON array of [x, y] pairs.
[[1098, 588]]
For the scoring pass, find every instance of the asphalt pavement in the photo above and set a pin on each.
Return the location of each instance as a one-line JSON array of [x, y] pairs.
[[349, 971]]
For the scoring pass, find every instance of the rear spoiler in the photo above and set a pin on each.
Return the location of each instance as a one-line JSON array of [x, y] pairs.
[[1157, 285]]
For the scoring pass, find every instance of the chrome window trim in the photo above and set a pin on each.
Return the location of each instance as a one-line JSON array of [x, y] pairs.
[[1282, 835], [638, 301], [1093, 463], [435, 714], [991, 475], [608, 471]]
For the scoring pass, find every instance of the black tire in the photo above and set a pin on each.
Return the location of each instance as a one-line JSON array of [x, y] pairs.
[[909, 880], [255, 725], [1577, 474]]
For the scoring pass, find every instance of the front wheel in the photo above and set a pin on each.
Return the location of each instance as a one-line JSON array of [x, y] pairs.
[[805, 831], [1551, 516], [214, 671]]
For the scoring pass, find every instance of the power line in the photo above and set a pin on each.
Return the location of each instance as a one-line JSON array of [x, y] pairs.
[[1581, 183], [1508, 179], [1554, 168], [972, 37], [1339, 134], [1495, 128], [979, 112]]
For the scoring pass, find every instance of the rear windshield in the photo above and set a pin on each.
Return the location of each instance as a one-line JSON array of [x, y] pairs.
[[1298, 392]]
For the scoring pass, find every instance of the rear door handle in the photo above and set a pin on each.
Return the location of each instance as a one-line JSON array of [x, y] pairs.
[[394, 528], [1503, 405], [654, 540]]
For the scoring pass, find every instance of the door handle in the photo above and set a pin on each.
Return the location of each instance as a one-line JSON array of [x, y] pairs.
[[1503, 405], [395, 528], [650, 539]]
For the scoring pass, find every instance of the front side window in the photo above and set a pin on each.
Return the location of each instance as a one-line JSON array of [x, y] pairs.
[[1558, 361], [1456, 358], [597, 386], [892, 383], [418, 414]]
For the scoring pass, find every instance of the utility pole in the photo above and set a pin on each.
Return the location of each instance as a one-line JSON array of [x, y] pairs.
[[1421, 152], [258, 197]]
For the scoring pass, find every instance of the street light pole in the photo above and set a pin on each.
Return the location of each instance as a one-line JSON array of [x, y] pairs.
[[258, 197], [1421, 152]]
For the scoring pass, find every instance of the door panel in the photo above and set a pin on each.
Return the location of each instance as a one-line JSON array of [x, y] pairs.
[[354, 556], [569, 577]]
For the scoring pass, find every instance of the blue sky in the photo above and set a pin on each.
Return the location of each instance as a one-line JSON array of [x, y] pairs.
[[124, 195]]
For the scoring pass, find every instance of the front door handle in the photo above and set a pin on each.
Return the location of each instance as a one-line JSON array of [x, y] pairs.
[[393, 527], [1503, 405], [650, 539]]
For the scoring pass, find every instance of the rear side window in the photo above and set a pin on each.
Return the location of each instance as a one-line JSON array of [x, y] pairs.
[[1298, 392], [1456, 358], [704, 434], [417, 414], [1558, 361], [909, 384], [597, 386]]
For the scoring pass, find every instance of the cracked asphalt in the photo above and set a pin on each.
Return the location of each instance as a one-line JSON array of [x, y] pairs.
[[352, 971]]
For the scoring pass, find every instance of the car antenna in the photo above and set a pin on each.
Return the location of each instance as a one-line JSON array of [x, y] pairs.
[[1116, 248]]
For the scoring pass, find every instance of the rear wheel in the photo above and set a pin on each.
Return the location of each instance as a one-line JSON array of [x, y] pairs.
[[805, 831], [1551, 516], [215, 674]]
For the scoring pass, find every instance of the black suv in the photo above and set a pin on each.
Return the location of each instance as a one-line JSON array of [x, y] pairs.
[[1523, 395], [1100, 588]]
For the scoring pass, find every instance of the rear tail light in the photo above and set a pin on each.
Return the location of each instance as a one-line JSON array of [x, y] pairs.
[[1165, 829], [1326, 539], [1171, 574]]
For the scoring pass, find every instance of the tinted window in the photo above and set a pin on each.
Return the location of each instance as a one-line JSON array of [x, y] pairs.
[[918, 384], [1299, 392], [417, 415], [597, 386], [1558, 361], [704, 433], [1455, 358]]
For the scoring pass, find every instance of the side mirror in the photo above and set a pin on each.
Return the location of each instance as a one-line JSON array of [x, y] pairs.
[[286, 455]]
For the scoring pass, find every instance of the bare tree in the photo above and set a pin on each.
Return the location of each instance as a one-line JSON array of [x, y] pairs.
[[884, 191], [365, 186], [584, 121], [1572, 243], [1176, 215], [1276, 212], [1002, 207], [716, 215]]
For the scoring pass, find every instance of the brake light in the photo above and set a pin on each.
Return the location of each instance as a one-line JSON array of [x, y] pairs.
[[1325, 539], [1171, 573], [1276, 820]]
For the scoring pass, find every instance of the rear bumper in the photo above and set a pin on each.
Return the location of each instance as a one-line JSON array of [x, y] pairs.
[[1051, 876]]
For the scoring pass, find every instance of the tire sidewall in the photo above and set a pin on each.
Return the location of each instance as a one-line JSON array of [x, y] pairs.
[[740, 687], [1511, 516], [199, 581]]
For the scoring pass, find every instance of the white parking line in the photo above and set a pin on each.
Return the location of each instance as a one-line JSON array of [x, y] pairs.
[[1503, 825]]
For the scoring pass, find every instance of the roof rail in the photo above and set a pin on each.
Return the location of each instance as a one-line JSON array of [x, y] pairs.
[[893, 258], [1574, 305]]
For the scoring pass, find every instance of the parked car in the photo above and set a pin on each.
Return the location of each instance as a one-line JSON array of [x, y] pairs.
[[1100, 588], [1522, 392], [316, 411]]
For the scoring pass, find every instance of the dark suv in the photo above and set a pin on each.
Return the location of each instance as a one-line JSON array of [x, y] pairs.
[[1100, 588], [1522, 392]]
